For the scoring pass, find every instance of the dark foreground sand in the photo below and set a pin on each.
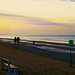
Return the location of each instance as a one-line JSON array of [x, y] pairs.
[[34, 64]]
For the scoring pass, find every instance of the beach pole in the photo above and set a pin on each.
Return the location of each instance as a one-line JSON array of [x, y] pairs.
[[70, 58], [71, 45]]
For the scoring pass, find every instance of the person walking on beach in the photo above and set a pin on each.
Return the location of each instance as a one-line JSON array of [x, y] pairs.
[[15, 40], [18, 39]]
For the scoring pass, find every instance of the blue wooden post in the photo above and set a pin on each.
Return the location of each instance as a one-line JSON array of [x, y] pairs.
[[9, 69], [15, 71], [2, 64]]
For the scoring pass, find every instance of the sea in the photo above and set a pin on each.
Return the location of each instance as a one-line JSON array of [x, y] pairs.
[[46, 38]]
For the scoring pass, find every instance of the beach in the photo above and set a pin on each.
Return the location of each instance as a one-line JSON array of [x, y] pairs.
[[37, 37], [33, 63]]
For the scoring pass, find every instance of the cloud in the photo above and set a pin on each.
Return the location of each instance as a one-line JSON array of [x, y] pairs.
[[73, 0], [68, 0], [37, 21], [56, 0], [32, 20], [9, 15]]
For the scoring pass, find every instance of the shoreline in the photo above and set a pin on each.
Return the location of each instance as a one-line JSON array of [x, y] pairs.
[[42, 41], [56, 43]]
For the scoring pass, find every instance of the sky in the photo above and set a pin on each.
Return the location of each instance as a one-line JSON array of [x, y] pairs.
[[37, 17]]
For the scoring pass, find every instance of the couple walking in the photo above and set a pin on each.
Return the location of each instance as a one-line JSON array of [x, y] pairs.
[[16, 40]]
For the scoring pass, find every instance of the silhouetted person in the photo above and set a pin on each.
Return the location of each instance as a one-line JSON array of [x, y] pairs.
[[15, 40], [1, 38], [18, 39], [33, 42]]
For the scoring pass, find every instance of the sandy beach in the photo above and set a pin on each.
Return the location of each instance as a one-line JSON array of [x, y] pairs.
[[37, 36], [34, 63]]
